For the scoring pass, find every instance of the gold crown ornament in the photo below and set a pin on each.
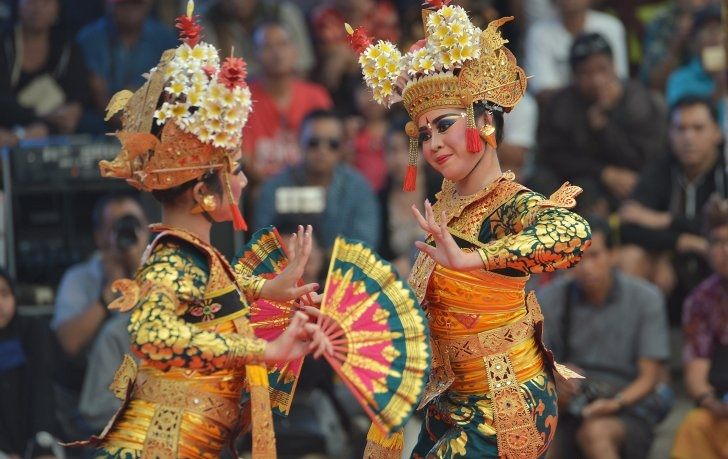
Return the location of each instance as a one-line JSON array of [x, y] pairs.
[[204, 107], [455, 65]]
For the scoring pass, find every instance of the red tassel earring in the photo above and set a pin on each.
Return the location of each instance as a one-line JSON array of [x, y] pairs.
[[474, 145], [410, 179], [238, 220]]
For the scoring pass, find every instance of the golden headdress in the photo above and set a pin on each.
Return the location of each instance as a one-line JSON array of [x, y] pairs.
[[456, 65], [205, 107]]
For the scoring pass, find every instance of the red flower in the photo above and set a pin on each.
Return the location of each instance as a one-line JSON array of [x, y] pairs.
[[209, 70], [359, 40], [189, 30], [437, 4], [233, 73]]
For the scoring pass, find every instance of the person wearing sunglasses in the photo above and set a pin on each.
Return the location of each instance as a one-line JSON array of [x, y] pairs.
[[491, 390], [322, 188]]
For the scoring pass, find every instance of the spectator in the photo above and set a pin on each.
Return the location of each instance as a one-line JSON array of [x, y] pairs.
[[280, 101], [338, 70], [323, 186], [704, 433], [231, 24], [43, 79], [26, 365], [666, 42], [120, 233], [703, 75], [661, 222], [612, 328], [548, 43], [399, 230], [600, 131], [97, 404], [120, 47], [370, 128]]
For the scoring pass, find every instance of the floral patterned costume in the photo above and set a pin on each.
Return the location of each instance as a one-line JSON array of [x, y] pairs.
[[491, 392], [190, 329]]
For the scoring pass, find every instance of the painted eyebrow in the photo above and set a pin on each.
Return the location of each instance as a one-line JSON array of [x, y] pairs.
[[434, 121]]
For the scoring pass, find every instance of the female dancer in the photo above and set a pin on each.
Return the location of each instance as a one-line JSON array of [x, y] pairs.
[[189, 325], [491, 391]]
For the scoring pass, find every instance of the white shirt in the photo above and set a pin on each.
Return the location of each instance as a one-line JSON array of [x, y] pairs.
[[548, 45]]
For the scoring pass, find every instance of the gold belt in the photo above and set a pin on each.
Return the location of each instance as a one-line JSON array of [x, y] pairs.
[[487, 342], [185, 395]]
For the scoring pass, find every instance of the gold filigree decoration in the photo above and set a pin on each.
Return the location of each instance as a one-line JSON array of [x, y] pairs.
[[124, 377]]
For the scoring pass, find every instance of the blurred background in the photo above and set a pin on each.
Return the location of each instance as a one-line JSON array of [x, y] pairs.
[[626, 100]]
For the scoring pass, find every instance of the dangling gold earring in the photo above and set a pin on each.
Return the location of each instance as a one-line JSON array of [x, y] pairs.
[[209, 203], [487, 132]]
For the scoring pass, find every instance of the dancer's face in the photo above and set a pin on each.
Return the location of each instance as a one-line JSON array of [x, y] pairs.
[[443, 141]]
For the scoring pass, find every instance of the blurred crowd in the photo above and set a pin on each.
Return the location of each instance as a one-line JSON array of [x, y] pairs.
[[626, 100]]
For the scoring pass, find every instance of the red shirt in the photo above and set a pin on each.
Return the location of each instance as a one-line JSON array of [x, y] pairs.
[[271, 136]]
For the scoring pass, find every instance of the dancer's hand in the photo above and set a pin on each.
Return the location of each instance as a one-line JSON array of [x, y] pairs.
[[285, 286], [300, 338], [446, 251]]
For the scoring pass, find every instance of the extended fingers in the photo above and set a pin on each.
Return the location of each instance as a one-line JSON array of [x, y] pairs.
[[298, 292], [420, 219], [430, 215]]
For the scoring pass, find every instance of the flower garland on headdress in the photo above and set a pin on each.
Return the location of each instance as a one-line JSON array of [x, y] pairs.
[[456, 65], [205, 107]]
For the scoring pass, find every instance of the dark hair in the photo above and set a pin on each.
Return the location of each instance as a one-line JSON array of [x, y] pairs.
[[97, 213], [266, 24], [705, 15], [588, 45], [692, 100], [600, 225], [318, 115], [4, 274], [169, 196], [479, 108]]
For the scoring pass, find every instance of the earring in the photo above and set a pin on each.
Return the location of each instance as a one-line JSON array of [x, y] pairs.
[[487, 133], [209, 203]]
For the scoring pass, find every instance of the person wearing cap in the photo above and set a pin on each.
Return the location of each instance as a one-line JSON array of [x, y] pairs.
[[491, 389], [189, 323], [600, 130]]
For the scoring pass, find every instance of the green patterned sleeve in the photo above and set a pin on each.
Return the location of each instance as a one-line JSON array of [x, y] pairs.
[[170, 281], [543, 236]]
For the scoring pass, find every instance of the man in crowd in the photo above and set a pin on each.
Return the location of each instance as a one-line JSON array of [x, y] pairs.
[[704, 432], [611, 328], [600, 131], [121, 235], [321, 188], [662, 221]]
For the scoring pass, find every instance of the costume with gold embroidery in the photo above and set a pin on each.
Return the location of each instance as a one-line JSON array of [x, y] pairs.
[[490, 393], [190, 329], [189, 322]]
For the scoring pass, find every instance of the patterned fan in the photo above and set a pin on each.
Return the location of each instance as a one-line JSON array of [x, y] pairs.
[[379, 334], [265, 256]]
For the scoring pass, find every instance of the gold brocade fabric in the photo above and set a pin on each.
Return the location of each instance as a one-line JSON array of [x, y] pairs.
[[462, 304], [195, 342]]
